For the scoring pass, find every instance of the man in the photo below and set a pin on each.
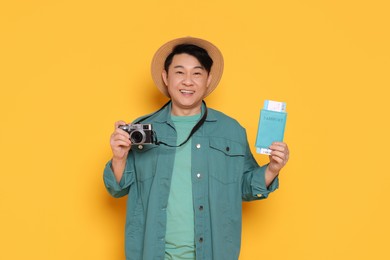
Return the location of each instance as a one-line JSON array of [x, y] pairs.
[[186, 188]]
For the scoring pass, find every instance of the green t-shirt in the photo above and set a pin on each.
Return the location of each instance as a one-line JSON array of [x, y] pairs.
[[179, 240]]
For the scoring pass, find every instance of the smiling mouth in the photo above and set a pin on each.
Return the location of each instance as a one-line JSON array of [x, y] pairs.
[[183, 91]]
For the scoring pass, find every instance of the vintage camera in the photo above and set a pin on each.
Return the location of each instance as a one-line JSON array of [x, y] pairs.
[[139, 133]]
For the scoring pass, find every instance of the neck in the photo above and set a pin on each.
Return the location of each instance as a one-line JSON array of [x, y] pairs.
[[184, 111]]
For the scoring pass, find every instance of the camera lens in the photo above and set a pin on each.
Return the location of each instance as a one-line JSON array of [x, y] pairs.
[[137, 137]]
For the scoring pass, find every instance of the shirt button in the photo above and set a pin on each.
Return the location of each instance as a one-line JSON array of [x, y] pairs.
[[200, 239], [140, 147], [227, 149], [198, 146], [198, 175], [200, 207], [259, 195]]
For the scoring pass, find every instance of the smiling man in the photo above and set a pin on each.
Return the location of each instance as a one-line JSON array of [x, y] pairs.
[[185, 188], [187, 82]]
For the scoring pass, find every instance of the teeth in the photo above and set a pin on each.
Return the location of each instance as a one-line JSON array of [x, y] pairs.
[[187, 91]]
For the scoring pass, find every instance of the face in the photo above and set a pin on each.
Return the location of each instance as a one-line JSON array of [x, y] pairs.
[[187, 82]]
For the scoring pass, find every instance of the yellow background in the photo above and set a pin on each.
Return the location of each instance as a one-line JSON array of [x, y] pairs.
[[69, 69]]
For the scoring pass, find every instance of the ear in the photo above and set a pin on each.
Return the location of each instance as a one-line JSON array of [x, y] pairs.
[[164, 75], [209, 79]]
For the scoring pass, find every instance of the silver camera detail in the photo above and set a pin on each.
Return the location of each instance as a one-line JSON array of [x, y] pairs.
[[139, 133]]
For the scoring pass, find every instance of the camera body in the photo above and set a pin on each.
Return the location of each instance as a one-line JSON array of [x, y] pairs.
[[139, 133]]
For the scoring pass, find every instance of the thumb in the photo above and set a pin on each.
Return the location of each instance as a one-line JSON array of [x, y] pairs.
[[118, 123]]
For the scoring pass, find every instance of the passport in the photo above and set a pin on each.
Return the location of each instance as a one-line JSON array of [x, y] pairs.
[[271, 127]]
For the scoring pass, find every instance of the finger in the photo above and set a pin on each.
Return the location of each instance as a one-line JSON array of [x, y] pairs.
[[280, 150], [277, 159], [121, 143], [115, 143], [279, 154], [118, 123], [121, 132], [120, 135], [118, 142], [279, 146]]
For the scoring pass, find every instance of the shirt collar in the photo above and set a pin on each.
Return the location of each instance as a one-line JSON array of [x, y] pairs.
[[164, 115]]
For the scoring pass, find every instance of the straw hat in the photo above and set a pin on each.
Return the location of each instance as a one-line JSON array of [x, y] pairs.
[[163, 52]]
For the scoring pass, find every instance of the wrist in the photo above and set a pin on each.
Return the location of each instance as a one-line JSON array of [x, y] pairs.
[[119, 157], [117, 162], [118, 166], [271, 171]]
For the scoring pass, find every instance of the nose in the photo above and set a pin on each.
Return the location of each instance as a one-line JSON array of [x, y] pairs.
[[187, 81]]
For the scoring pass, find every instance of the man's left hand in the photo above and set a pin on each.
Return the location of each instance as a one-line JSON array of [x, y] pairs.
[[279, 157]]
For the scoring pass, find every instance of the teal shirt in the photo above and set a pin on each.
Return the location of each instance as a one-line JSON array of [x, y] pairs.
[[179, 239], [223, 173]]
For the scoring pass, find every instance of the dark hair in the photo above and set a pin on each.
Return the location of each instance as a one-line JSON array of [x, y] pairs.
[[199, 53]]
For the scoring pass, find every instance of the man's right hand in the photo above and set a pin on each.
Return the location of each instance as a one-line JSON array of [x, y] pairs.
[[120, 142], [120, 146]]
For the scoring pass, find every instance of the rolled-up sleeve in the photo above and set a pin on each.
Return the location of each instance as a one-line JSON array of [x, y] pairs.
[[120, 189], [258, 185], [253, 182]]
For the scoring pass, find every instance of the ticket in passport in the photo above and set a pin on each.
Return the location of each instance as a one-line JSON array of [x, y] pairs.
[[274, 106], [271, 127]]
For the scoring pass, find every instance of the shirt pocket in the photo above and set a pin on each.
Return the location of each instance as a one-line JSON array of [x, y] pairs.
[[226, 160], [145, 158]]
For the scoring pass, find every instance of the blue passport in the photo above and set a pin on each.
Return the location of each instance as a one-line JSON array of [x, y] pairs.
[[272, 123]]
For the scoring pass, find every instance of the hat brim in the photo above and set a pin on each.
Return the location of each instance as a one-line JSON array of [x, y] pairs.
[[163, 52]]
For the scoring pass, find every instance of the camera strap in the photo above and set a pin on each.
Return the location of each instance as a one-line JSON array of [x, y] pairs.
[[196, 127]]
